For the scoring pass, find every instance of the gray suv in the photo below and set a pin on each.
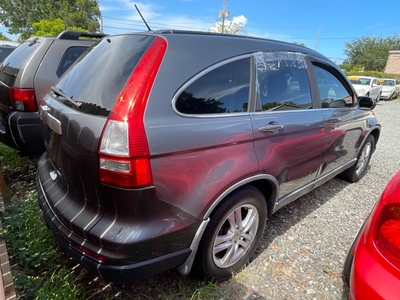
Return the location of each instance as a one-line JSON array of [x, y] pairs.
[[170, 149], [26, 75]]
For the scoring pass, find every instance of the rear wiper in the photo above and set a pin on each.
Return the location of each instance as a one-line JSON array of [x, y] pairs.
[[59, 92]]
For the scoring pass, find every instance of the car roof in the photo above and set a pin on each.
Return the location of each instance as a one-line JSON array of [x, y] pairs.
[[233, 37]]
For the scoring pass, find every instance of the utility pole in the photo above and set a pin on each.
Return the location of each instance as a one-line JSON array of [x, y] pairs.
[[316, 44], [223, 14]]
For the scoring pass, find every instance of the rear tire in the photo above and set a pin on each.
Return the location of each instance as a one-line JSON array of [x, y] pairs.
[[233, 234], [358, 170]]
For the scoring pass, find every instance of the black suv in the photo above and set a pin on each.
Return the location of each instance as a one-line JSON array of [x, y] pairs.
[[170, 149], [26, 75]]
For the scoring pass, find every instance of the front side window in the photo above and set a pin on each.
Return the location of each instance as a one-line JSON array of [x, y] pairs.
[[220, 91], [282, 81], [332, 92]]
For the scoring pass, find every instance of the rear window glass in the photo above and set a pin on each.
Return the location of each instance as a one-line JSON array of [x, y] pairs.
[[100, 73], [222, 90], [16, 61]]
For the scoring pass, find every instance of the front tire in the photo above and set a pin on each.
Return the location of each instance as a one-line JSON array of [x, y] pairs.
[[358, 170], [233, 234]]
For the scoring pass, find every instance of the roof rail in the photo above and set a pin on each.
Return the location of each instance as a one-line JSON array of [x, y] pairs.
[[75, 35]]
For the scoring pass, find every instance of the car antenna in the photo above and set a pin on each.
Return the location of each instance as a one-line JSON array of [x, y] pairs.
[[144, 21]]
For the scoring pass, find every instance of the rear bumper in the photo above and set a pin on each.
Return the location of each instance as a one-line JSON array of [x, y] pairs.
[[22, 131], [135, 236], [116, 273]]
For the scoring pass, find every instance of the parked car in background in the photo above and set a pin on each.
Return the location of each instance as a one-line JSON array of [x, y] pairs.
[[163, 154], [390, 88], [367, 86], [5, 50], [373, 262], [26, 75]]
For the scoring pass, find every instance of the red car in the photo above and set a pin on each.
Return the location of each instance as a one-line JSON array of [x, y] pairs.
[[373, 263]]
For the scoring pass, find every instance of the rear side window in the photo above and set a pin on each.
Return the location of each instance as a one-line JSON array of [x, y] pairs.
[[70, 56], [16, 61], [99, 75], [220, 91]]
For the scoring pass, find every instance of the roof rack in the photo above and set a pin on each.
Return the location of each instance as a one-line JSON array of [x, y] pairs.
[[75, 35]]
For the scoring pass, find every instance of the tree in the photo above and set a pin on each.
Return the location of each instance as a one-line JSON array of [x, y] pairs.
[[3, 37], [300, 44], [19, 15], [231, 27], [371, 52], [52, 28]]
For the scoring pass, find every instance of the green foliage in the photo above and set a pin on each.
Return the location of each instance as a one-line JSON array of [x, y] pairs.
[[9, 158], [371, 52], [52, 28], [74, 13], [38, 273], [3, 37], [300, 44]]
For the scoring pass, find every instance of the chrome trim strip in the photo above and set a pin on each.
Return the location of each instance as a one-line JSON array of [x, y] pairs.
[[54, 124]]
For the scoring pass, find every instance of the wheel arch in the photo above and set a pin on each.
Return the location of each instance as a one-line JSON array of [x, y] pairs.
[[266, 184], [376, 134]]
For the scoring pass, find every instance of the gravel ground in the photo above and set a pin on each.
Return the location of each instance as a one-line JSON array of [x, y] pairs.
[[305, 244]]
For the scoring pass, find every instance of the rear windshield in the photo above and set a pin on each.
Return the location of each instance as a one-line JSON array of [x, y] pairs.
[[100, 73], [13, 63]]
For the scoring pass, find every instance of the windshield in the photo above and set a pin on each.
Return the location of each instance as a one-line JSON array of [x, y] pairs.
[[100, 73], [388, 83], [360, 80], [13, 63]]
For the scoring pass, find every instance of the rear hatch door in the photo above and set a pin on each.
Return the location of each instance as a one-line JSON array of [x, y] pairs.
[[14, 67], [74, 117]]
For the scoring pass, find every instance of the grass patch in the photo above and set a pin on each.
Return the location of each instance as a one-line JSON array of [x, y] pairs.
[[35, 259]]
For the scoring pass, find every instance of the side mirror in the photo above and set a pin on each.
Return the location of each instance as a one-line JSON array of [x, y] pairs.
[[366, 102]]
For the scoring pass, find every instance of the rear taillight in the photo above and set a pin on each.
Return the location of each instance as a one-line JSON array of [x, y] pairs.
[[124, 156], [386, 222], [23, 99]]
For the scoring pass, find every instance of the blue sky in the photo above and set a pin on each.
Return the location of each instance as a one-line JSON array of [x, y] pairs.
[[334, 22]]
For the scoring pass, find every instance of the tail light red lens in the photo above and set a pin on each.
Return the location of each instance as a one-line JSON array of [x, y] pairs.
[[124, 156], [23, 99], [386, 222]]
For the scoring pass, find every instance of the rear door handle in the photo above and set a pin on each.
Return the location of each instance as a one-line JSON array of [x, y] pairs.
[[270, 128], [333, 120]]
